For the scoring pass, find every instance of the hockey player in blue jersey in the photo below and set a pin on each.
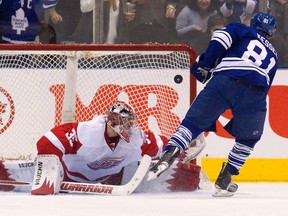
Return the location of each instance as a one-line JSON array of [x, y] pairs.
[[240, 63], [20, 19]]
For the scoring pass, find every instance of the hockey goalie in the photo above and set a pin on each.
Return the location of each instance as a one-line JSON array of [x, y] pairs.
[[105, 150]]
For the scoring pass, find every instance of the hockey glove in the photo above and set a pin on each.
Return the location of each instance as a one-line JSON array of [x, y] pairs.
[[194, 149], [164, 163], [185, 178], [201, 73]]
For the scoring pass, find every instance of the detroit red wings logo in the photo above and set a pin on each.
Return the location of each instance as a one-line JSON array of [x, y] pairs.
[[105, 163]]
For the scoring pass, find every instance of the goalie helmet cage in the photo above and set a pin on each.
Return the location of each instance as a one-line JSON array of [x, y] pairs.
[[44, 85]]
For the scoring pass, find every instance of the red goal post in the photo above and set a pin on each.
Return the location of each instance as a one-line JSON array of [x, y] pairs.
[[42, 86]]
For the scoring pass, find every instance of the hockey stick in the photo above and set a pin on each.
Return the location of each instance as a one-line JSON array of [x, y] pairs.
[[14, 183], [120, 190], [99, 189]]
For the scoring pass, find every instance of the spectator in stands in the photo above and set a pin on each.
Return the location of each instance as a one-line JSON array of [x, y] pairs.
[[237, 10], [84, 30], [47, 34], [200, 43], [280, 8], [21, 20], [70, 12], [180, 5], [192, 21], [152, 22], [113, 21]]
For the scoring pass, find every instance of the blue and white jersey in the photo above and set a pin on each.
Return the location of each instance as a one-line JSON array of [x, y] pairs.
[[242, 53], [20, 19]]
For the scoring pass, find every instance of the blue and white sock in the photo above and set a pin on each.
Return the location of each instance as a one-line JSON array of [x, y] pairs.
[[181, 138], [238, 156]]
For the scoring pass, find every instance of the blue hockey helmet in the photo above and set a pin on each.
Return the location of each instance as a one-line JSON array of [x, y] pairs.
[[264, 23]]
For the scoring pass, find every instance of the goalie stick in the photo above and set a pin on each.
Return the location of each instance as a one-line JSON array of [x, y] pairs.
[[98, 189]]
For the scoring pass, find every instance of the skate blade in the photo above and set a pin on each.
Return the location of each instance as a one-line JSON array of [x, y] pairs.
[[222, 193], [151, 175], [155, 173]]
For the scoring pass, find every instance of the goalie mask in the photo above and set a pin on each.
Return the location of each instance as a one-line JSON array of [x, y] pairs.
[[122, 119]]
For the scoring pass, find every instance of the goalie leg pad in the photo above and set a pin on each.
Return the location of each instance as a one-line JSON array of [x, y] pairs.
[[48, 175], [18, 171], [4, 175]]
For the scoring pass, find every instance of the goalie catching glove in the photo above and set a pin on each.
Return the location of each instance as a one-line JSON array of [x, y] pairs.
[[185, 178], [172, 152]]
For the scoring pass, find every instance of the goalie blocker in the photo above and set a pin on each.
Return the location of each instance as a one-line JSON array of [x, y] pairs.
[[48, 175]]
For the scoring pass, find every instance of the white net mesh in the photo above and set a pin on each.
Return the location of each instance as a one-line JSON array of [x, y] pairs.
[[41, 88]]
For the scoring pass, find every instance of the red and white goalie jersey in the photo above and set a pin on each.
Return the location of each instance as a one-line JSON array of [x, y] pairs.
[[87, 153]]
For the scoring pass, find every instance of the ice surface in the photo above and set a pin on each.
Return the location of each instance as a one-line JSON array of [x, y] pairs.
[[252, 199]]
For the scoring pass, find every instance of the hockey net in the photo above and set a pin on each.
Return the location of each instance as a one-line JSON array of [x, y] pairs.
[[42, 86]]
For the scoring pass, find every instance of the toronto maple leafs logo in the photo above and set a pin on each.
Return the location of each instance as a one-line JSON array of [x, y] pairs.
[[105, 163], [7, 110], [19, 22]]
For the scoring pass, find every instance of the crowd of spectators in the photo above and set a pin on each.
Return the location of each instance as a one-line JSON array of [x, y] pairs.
[[134, 21]]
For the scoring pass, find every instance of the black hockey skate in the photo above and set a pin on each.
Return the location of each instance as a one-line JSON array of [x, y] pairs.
[[164, 163], [224, 186]]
